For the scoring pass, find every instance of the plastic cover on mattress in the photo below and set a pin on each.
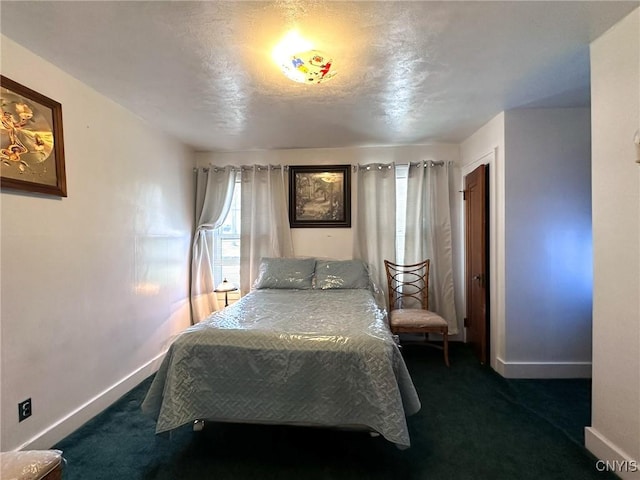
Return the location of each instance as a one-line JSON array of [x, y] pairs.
[[288, 357]]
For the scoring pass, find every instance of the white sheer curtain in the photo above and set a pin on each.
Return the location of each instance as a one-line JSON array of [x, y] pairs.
[[264, 230], [214, 192], [428, 233], [375, 226]]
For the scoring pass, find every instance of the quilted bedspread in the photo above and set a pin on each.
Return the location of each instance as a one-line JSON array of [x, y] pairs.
[[311, 357]]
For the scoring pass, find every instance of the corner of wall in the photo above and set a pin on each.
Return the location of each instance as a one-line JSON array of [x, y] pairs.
[[610, 457]]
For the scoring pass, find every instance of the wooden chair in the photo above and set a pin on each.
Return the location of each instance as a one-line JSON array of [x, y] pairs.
[[409, 303]]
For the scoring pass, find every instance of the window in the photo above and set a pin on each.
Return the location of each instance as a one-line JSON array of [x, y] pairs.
[[226, 239], [226, 243], [402, 172]]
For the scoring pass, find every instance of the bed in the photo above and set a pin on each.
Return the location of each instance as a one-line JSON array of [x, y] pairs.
[[308, 346]]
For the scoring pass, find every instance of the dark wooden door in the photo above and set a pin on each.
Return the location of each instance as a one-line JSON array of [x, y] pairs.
[[476, 260]]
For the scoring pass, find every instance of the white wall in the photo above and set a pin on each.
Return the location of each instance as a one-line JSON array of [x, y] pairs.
[[615, 85], [548, 262], [338, 242], [487, 146], [93, 285]]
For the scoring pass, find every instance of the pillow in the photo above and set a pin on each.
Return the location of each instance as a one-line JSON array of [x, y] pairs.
[[285, 273], [341, 274]]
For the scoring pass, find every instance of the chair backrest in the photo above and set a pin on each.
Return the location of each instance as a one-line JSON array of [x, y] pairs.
[[408, 285]]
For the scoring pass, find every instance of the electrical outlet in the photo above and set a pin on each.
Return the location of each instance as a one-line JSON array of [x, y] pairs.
[[24, 410]]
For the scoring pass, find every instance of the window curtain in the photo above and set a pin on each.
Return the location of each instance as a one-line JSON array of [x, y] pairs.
[[375, 232], [264, 229], [428, 233], [214, 192]]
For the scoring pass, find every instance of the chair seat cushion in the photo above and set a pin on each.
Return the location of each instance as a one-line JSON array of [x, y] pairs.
[[29, 464], [415, 318]]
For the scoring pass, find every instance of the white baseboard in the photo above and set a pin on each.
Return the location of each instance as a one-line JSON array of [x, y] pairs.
[[611, 458], [543, 369], [67, 425]]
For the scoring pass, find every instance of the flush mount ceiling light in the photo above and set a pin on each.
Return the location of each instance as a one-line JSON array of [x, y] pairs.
[[300, 62]]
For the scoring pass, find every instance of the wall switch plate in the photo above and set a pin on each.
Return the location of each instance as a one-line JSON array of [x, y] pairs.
[[24, 410]]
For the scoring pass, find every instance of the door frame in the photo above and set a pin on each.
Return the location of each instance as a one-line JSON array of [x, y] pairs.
[[496, 260]]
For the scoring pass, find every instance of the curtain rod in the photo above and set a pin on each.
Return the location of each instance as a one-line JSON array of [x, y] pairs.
[[428, 163], [380, 166], [368, 166], [242, 168]]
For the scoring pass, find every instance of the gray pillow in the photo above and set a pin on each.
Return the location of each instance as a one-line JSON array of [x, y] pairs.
[[341, 274], [296, 273]]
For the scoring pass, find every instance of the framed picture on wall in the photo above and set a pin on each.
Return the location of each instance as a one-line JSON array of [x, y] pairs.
[[31, 143], [320, 196]]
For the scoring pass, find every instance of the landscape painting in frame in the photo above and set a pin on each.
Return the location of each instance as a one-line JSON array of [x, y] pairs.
[[31, 143], [320, 196]]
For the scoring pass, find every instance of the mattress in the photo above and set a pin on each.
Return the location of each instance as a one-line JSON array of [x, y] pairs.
[[311, 357]]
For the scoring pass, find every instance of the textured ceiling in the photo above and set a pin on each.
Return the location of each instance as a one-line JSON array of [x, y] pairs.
[[408, 72]]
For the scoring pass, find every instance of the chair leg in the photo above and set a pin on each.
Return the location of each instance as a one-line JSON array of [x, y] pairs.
[[445, 345]]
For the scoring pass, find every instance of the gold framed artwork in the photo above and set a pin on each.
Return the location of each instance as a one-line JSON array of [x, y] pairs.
[[320, 196], [31, 141]]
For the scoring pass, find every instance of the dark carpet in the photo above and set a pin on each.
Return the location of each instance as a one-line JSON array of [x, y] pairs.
[[473, 424]]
